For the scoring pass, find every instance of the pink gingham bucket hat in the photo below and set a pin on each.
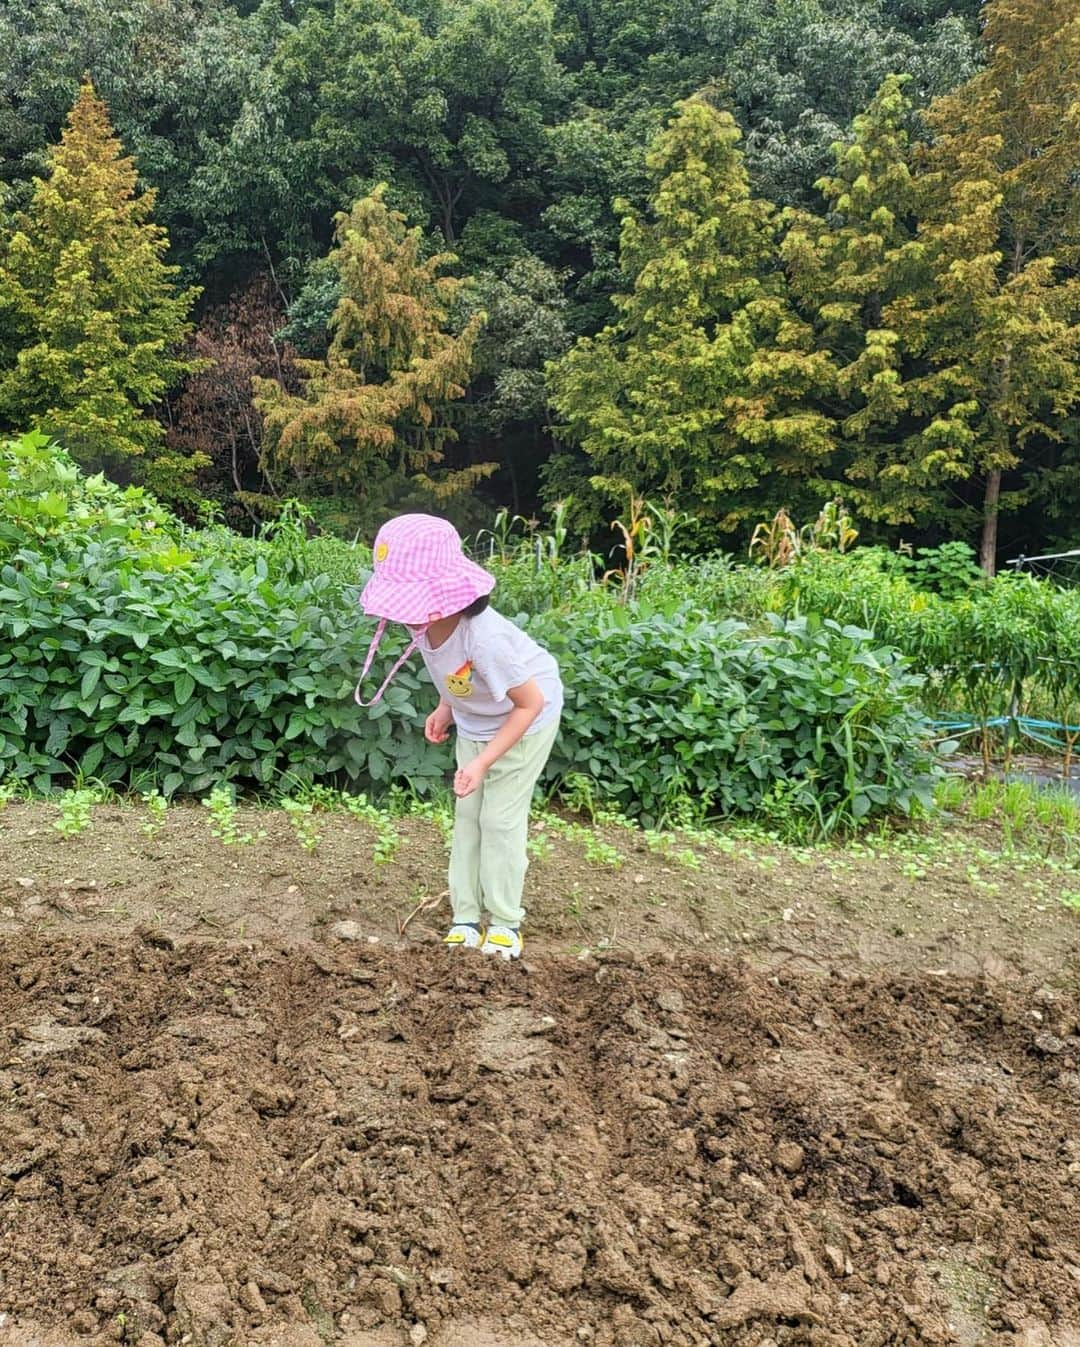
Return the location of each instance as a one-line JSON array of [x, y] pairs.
[[421, 575]]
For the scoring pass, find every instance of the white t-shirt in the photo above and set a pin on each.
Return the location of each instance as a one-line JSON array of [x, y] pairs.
[[474, 667]]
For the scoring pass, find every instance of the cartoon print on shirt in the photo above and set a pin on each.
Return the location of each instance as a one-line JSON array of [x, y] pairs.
[[459, 684]]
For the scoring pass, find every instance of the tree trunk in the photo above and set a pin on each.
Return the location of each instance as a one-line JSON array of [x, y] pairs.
[[992, 495], [988, 546], [515, 491]]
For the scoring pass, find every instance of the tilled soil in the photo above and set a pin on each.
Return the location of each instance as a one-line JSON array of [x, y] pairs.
[[382, 1148], [957, 911]]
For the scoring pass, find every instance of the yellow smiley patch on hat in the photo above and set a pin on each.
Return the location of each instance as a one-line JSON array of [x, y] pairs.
[[382, 552], [460, 684]]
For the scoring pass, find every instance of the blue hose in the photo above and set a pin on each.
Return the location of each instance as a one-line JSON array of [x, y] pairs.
[[1027, 726]]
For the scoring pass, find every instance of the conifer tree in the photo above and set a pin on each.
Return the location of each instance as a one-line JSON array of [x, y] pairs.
[[699, 390], [994, 347], [1003, 234], [846, 269], [378, 404], [90, 318], [942, 281]]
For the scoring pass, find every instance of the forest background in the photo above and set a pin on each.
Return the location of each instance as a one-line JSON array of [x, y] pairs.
[[456, 254]]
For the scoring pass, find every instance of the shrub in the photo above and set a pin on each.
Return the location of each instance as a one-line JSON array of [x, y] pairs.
[[184, 677], [289, 551], [949, 570], [189, 677], [665, 706], [717, 585], [1001, 649], [144, 655], [998, 635], [526, 585], [46, 502]]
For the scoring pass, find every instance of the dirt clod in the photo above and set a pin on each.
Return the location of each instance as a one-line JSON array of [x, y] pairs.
[[347, 930], [1049, 1043]]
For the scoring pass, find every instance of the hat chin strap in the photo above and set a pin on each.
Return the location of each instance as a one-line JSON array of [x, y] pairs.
[[393, 672]]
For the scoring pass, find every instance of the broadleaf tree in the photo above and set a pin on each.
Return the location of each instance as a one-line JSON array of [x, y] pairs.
[[214, 415]]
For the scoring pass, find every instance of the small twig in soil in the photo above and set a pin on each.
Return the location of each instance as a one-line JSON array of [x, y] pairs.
[[426, 905]]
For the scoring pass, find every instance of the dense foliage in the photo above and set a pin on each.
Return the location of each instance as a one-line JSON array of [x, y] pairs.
[[707, 263], [915, 345], [806, 719], [988, 648], [138, 652], [699, 391], [766, 251], [258, 121]]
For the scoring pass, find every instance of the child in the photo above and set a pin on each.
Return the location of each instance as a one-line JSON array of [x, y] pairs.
[[498, 687]]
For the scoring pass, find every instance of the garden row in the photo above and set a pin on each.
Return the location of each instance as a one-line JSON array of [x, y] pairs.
[[143, 655], [1000, 656]]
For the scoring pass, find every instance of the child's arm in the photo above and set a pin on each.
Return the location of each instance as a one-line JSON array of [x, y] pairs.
[[437, 725], [528, 703]]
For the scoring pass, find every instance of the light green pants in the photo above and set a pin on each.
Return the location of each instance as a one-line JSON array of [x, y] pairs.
[[488, 858]]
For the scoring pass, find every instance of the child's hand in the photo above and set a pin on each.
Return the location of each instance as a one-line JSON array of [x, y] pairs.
[[437, 725], [468, 778]]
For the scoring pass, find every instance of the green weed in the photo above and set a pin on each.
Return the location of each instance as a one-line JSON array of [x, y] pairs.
[[599, 852], [596, 850], [540, 846], [579, 793], [437, 809], [381, 819], [387, 837], [223, 820], [666, 845], [156, 808], [575, 903], [300, 816], [75, 810]]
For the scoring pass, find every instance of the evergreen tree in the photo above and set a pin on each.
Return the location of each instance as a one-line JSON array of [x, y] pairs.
[[943, 287], [90, 318], [994, 344], [1003, 230], [846, 270], [378, 405], [699, 390]]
